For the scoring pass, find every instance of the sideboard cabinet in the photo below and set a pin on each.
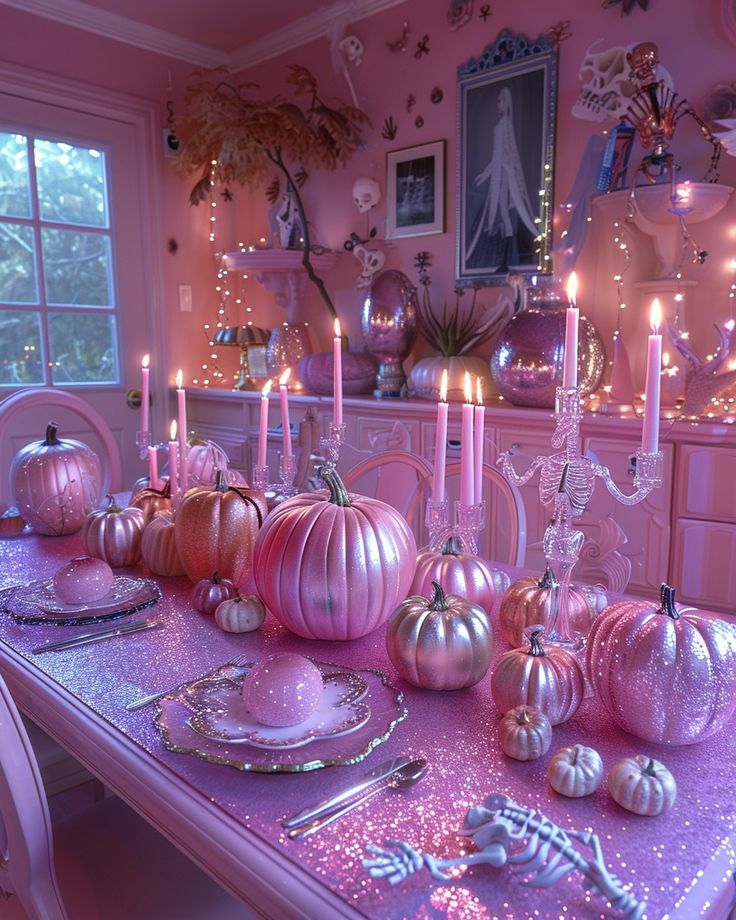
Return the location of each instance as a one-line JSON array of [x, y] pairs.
[[684, 533]]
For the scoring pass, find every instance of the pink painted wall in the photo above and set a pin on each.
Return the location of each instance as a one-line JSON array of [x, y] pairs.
[[691, 44]]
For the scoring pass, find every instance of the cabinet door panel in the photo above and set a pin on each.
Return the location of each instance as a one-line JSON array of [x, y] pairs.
[[704, 570], [703, 487]]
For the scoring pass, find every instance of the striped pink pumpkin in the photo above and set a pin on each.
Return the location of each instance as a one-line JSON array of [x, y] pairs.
[[114, 534], [158, 546], [333, 566]]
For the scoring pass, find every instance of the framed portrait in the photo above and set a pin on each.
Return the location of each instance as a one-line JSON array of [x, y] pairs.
[[415, 191], [507, 100]]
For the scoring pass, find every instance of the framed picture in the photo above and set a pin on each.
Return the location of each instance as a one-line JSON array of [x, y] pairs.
[[415, 191], [506, 109]]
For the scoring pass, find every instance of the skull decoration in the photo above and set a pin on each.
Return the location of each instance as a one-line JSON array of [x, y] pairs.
[[372, 261], [351, 48], [366, 194], [608, 87]]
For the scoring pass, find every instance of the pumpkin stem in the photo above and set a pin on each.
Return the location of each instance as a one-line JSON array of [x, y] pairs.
[[215, 578], [166, 491], [51, 439], [220, 482], [338, 492], [523, 716], [112, 506], [438, 601], [452, 547], [667, 606], [548, 580], [535, 640], [649, 769]]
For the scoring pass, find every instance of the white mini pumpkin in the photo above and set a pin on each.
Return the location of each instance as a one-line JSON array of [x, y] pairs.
[[575, 771], [525, 733], [642, 785], [240, 614]]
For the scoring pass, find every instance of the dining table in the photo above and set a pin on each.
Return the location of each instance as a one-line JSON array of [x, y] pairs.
[[228, 820]]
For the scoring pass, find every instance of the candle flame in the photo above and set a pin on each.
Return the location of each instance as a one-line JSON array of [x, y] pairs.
[[179, 379], [284, 378], [468, 388], [479, 391], [145, 361], [572, 288], [267, 388], [655, 316], [338, 331], [172, 430], [443, 386]]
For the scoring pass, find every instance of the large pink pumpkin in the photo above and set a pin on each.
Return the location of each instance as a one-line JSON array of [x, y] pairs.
[[461, 574], [204, 459], [663, 675], [333, 566], [56, 483]]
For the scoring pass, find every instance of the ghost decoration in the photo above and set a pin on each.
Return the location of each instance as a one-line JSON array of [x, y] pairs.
[[366, 194], [351, 48], [372, 261]]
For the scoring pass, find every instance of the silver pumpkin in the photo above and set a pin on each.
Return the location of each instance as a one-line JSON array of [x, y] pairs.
[[389, 324], [444, 643]]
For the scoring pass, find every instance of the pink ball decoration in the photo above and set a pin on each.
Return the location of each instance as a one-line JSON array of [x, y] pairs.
[[82, 580], [664, 675], [283, 690]]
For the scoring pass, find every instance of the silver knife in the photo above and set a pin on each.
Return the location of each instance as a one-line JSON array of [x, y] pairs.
[[386, 769], [85, 638]]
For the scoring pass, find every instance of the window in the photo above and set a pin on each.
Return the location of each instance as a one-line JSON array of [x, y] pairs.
[[57, 296]]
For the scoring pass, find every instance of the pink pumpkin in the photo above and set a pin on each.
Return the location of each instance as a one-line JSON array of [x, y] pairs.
[[358, 372], [204, 459], [114, 534], [56, 483], [663, 675], [333, 566], [158, 546], [209, 593], [461, 574]]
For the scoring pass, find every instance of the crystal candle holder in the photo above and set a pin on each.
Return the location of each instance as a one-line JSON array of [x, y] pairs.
[[142, 442], [470, 521], [437, 521], [331, 444], [287, 475], [260, 478]]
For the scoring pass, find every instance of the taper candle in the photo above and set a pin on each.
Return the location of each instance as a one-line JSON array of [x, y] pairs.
[[479, 412], [285, 424], [466, 447], [650, 427], [181, 399], [173, 474], [572, 317], [440, 446], [152, 468], [337, 373], [263, 427], [145, 392]]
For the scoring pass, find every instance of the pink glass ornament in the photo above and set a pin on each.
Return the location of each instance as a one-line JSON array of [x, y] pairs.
[[663, 675], [82, 580], [283, 690]]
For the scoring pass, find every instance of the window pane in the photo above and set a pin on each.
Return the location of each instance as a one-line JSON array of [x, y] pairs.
[[76, 266], [15, 190], [83, 348], [71, 184], [20, 348], [17, 264]]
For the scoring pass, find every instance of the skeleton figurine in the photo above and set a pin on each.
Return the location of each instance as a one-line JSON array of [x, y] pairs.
[[366, 195], [654, 112], [288, 222]]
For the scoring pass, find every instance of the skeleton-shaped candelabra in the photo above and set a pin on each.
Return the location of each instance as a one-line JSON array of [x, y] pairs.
[[567, 481]]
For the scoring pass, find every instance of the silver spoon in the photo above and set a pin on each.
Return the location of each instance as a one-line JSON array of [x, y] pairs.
[[403, 778]]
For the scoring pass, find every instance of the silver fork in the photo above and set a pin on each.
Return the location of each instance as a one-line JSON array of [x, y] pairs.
[[144, 701]]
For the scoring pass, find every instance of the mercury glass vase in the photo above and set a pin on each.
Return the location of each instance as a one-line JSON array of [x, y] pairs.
[[389, 325]]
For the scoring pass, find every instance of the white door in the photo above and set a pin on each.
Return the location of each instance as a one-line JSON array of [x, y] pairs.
[[78, 282]]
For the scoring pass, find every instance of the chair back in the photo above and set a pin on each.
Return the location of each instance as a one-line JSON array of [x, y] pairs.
[[26, 842]]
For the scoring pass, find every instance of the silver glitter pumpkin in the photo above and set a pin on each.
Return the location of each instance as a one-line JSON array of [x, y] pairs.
[[389, 324], [526, 364]]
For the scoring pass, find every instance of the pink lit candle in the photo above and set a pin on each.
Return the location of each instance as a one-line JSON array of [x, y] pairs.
[[284, 394], [570, 367], [263, 427], [145, 392], [440, 447], [152, 468], [479, 413], [337, 373], [650, 428], [467, 447], [181, 400], [173, 474]]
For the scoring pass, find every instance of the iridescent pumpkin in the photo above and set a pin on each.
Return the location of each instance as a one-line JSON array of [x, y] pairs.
[[525, 733], [114, 534], [332, 565], [532, 600], [461, 574], [444, 643], [661, 674], [575, 771], [642, 785], [240, 614], [209, 593], [56, 483], [158, 545], [549, 678]]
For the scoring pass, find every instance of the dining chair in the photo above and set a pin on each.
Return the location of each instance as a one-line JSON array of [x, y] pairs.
[[105, 863]]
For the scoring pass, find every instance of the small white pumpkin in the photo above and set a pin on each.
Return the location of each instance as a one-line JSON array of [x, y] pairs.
[[525, 733], [240, 614], [575, 771], [642, 785]]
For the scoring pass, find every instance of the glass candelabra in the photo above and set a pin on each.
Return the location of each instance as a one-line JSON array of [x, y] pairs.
[[331, 444], [566, 481], [469, 521], [142, 442], [282, 489]]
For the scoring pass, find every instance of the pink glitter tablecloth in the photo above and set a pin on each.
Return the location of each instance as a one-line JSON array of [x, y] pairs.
[[680, 863]]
